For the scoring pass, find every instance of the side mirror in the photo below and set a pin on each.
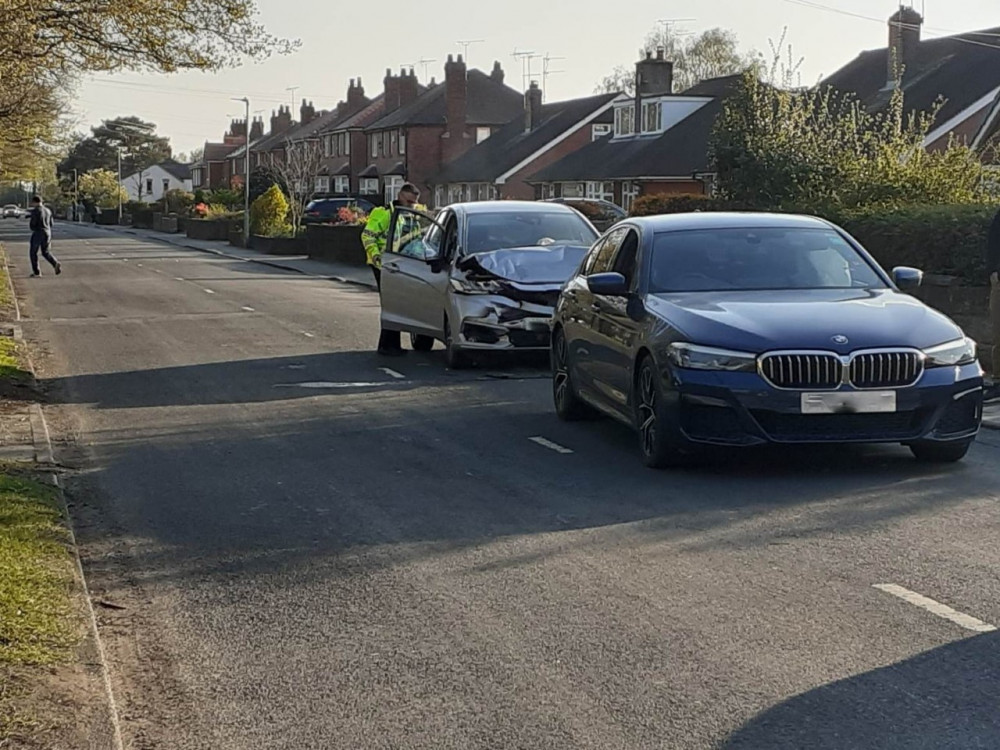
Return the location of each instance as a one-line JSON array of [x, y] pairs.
[[608, 284], [907, 278]]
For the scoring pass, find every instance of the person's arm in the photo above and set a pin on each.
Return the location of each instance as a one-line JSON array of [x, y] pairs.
[[373, 238]]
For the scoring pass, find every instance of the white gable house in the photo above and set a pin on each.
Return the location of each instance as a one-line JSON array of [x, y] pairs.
[[151, 184]]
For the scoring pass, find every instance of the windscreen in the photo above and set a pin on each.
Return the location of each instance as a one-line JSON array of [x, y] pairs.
[[507, 229], [747, 259]]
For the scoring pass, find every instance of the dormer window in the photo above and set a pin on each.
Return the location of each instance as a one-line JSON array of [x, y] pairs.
[[652, 117], [625, 120]]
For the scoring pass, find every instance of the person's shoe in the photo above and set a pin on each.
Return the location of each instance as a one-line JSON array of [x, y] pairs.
[[392, 352], [58, 268], [35, 275]]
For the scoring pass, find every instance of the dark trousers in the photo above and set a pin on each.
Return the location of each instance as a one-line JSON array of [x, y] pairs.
[[387, 340], [41, 242]]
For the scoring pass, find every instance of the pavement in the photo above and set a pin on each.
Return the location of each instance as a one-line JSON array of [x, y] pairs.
[[316, 548]]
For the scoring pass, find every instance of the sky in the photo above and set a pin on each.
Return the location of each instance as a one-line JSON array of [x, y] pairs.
[[585, 39]]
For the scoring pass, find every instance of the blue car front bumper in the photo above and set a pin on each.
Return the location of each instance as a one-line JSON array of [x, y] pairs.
[[731, 408]]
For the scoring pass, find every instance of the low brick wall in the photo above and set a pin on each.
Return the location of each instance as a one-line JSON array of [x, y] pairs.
[[337, 243], [108, 217], [278, 245], [207, 229], [166, 224]]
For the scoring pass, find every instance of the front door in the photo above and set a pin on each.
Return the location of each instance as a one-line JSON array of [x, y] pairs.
[[414, 287]]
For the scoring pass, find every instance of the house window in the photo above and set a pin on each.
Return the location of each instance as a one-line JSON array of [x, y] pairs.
[[482, 134], [652, 117], [374, 148], [548, 191], [342, 184], [402, 142], [347, 143], [369, 186], [149, 185], [454, 194], [630, 191], [625, 120], [393, 141], [392, 185], [439, 196], [322, 184], [485, 192], [166, 185], [599, 131], [573, 190], [601, 191]]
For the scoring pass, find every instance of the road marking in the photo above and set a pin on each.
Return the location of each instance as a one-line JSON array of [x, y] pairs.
[[157, 270], [323, 385], [247, 309], [178, 278], [392, 373], [550, 445], [936, 608], [309, 335], [208, 291], [138, 265]]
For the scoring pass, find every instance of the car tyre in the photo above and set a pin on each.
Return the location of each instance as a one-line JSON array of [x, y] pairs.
[[569, 406], [929, 452], [455, 358], [658, 441], [421, 343]]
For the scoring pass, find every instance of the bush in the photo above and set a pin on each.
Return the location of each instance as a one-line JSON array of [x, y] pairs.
[[231, 199], [680, 203], [269, 214], [177, 202]]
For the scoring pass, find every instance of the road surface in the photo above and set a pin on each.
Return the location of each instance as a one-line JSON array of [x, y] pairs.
[[318, 548]]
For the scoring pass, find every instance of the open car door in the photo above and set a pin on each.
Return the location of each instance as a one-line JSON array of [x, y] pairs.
[[414, 281]]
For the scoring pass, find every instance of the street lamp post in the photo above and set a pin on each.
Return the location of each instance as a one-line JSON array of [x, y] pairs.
[[76, 196], [119, 185], [246, 175]]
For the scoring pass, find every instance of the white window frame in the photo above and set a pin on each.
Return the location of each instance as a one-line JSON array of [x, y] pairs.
[[548, 191], [369, 186], [600, 130], [630, 191], [625, 120], [482, 134], [149, 186], [652, 117], [342, 184], [440, 197], [322, 184], [573, 190], [393, 183], [373, 146], [393, 142], [601, 191], [402, 143], [454, 194]]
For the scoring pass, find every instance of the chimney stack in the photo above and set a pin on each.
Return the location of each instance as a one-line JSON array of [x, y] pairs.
[[497, 74], [356, 100], [532, 107], [904, 43], [282, 120], [409, 88], [391, 91], [307, 112], [456, 107], [257, 128]]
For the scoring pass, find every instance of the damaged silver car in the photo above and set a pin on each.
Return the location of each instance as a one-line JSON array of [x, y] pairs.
[[480, 277]]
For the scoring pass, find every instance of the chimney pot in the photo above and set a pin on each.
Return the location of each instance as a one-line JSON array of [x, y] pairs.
[[659, 53], [904, 43]]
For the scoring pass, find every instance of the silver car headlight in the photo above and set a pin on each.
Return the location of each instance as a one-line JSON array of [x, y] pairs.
[[958, 352], [694, 357]]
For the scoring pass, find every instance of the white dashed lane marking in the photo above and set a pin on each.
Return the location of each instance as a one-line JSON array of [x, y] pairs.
[[546, 443], [245, 308], [392, 373], [324, 385], [936, 608], [209, 291], [309, 335]]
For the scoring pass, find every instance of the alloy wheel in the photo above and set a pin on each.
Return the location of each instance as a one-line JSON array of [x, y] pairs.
[[647, 410]]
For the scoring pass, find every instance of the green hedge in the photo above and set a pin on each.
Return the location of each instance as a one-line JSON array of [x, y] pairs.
[[947, 240]]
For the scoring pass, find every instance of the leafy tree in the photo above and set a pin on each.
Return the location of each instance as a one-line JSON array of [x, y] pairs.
[[822, 151], [711, 54], [100, 187], [269, 214], [297, 172], [261, 179]]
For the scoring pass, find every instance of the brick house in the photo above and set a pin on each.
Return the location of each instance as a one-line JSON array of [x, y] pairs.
[[419, 132], [659, 142], [502, 165], [268, 147], [212, 171], [960, 71]]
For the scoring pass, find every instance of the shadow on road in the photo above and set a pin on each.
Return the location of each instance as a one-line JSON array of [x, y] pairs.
[[944, 698]]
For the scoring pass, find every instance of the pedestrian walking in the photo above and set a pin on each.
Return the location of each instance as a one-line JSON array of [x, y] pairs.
[[374, 238], [41, 236]]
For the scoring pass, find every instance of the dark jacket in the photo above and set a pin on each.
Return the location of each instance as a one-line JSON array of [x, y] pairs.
[[41, 221]]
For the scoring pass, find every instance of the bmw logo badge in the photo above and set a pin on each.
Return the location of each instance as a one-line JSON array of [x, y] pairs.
[[840, 339]]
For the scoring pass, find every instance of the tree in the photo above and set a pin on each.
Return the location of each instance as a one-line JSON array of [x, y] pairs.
[[711, 54], [140, 146], [100, 187], [190, 157], [821, 151], [297, 173]]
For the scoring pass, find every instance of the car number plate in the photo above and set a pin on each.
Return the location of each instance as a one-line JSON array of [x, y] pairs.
[[867, 402]]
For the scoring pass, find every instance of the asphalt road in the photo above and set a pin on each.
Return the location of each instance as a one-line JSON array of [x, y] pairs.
[[388, 560]]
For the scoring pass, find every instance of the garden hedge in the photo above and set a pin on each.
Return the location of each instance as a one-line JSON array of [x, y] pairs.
[[946, 240]]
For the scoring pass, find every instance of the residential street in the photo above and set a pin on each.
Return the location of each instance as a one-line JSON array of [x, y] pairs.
[[313, 547]]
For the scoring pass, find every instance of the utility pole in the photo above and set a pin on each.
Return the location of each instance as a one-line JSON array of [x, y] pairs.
[[246, 176], [76, 196], [292, 89], [119, 185]]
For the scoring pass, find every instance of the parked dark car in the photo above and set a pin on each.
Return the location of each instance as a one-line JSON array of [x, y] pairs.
[[602, 214], [326, 210], [747, 329]]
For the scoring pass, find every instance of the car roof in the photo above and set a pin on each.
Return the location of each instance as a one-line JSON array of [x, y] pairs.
[[496, 207], [728, 220]]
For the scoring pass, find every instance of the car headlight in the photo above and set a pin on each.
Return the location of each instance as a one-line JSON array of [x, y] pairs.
[[694, 357], [959, 352], [468, 286]]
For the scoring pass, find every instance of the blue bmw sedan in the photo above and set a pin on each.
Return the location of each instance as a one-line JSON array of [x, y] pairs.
[[748, 329]]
